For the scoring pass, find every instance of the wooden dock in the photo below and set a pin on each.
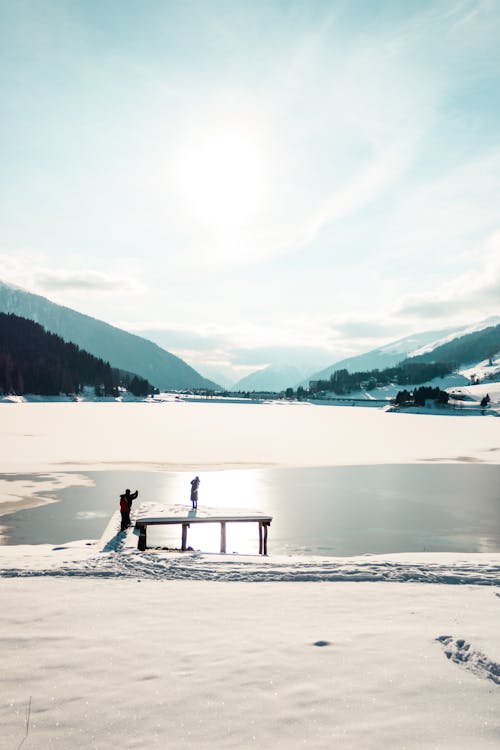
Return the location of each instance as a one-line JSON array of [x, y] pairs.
[[179, 515]]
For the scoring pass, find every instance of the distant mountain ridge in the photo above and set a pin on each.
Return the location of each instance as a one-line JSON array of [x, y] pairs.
[[493, 320], [471, 348], [272, 378], [123, 350], [395, 352]]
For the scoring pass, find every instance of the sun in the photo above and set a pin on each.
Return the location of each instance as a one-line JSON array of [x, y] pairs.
[[220, 176]]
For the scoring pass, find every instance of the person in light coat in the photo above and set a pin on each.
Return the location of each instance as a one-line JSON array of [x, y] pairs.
[[195, 483]]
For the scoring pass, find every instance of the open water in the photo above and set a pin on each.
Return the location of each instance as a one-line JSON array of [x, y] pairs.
[[347, 510]]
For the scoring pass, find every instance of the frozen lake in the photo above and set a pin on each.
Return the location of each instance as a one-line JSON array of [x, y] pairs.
[[340, 510]]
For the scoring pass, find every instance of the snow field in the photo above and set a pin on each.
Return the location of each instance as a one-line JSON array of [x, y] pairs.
[[139, 663], [78, 436]]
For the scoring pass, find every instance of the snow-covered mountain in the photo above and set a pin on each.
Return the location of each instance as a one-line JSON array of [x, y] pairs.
[[120, 348], [272, 378], [393, 353], [494, 320]]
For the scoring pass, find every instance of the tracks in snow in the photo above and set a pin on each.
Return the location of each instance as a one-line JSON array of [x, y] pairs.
[[127, 562], [460, 652]]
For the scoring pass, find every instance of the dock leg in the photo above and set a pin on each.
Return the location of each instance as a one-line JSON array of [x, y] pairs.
[[260, 537], [184, 536], [265, 525], [141, 544], [223, 537]]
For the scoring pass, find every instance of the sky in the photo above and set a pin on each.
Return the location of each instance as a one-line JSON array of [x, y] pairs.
[[254, 182]]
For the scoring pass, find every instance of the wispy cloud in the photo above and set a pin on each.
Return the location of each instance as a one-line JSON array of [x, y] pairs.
[[368, 185], [457, 301], [362, 328], [340, 120], [447, 216], [85, 282], [30, 271], [466, 296]]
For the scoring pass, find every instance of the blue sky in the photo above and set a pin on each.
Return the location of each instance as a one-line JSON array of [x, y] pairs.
[[254, 181]]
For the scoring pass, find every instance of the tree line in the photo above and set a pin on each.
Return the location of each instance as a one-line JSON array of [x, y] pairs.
[[343, 382], [419, 396], [32, 360], [472, 347]]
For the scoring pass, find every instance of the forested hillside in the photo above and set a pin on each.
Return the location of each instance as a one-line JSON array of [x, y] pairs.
[[124, 350], [473, 347], [35, 361], [343, 382]]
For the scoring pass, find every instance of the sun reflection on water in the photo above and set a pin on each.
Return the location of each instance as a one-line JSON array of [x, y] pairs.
[[231, 490]]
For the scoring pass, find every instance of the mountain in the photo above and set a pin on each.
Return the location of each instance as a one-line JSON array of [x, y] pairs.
[[470, 348], [273, 378], [123, 350], [395, 352]]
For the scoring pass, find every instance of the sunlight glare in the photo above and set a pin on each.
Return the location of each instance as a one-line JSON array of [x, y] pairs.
[[220, 176]]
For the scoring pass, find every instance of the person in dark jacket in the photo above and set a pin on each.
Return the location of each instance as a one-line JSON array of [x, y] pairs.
[[126, 506]]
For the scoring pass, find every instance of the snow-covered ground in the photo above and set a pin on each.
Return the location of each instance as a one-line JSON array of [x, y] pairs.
[[106, 646], [483, 370], [87, 394], [132, 663], [114, 558], [171, 435]]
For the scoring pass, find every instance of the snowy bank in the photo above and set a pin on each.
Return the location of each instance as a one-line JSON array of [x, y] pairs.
[[113, 559]]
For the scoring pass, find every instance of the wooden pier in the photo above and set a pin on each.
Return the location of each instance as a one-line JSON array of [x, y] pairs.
[[185, 519]]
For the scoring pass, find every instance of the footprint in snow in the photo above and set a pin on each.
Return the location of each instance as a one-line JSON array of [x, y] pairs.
[[461, 653]]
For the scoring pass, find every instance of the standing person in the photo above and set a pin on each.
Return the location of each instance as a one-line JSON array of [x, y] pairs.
[[130, 497], [126, 506], [125, 512], [195, 483]]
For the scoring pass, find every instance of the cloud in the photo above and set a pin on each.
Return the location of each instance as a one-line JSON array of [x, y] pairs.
[[450, 214], [366, 186], [30, 271], [473, 294], [427, 306], [183, 338], [479, 301], [366, 328], [85, 282]]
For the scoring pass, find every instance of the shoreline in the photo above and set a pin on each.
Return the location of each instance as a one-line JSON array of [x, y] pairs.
[[17, 485], [64, 475], [93, 558]]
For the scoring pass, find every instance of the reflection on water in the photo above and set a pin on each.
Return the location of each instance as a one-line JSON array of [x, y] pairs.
[[240, 537], [245, 490], [327, 511]]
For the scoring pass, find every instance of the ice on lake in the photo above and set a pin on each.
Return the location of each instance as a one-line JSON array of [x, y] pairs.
[[346, 510]]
